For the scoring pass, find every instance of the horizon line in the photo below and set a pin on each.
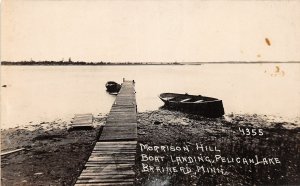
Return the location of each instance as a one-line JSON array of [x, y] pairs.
[[61, 63]]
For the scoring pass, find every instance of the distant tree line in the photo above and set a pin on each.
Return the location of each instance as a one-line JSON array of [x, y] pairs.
[[84, 63]]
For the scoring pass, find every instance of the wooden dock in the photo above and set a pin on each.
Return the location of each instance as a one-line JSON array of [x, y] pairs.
[[113, 157]]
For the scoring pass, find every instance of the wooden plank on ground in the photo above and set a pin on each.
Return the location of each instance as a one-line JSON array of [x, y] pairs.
[[82, 121], [12, 151]]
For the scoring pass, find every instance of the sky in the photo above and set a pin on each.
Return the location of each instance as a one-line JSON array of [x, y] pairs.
[[150, 30]]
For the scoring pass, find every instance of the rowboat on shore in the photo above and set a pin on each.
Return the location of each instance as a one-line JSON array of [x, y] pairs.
[[195, 104], [112, 87]]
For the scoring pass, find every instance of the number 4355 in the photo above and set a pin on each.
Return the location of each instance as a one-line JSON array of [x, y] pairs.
[[251, 132]]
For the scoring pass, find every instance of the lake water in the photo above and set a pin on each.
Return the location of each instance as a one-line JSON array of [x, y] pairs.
[[47, 93]]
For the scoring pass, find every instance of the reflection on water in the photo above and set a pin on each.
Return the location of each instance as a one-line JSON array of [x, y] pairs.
[[46, 93]]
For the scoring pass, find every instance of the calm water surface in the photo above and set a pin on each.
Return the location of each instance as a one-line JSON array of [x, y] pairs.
[[47, 93]]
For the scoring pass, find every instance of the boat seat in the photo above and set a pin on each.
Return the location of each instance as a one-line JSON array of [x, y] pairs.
[[185, 100], [199, 101], [168, 98]]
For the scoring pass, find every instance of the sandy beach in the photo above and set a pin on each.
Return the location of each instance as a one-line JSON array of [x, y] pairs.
[[54, 155]]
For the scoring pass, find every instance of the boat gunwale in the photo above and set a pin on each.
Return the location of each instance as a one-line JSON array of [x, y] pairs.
[[187, 102]]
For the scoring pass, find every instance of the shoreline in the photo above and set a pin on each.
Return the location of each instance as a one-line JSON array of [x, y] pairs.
[[288, 122], [54, 155]]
